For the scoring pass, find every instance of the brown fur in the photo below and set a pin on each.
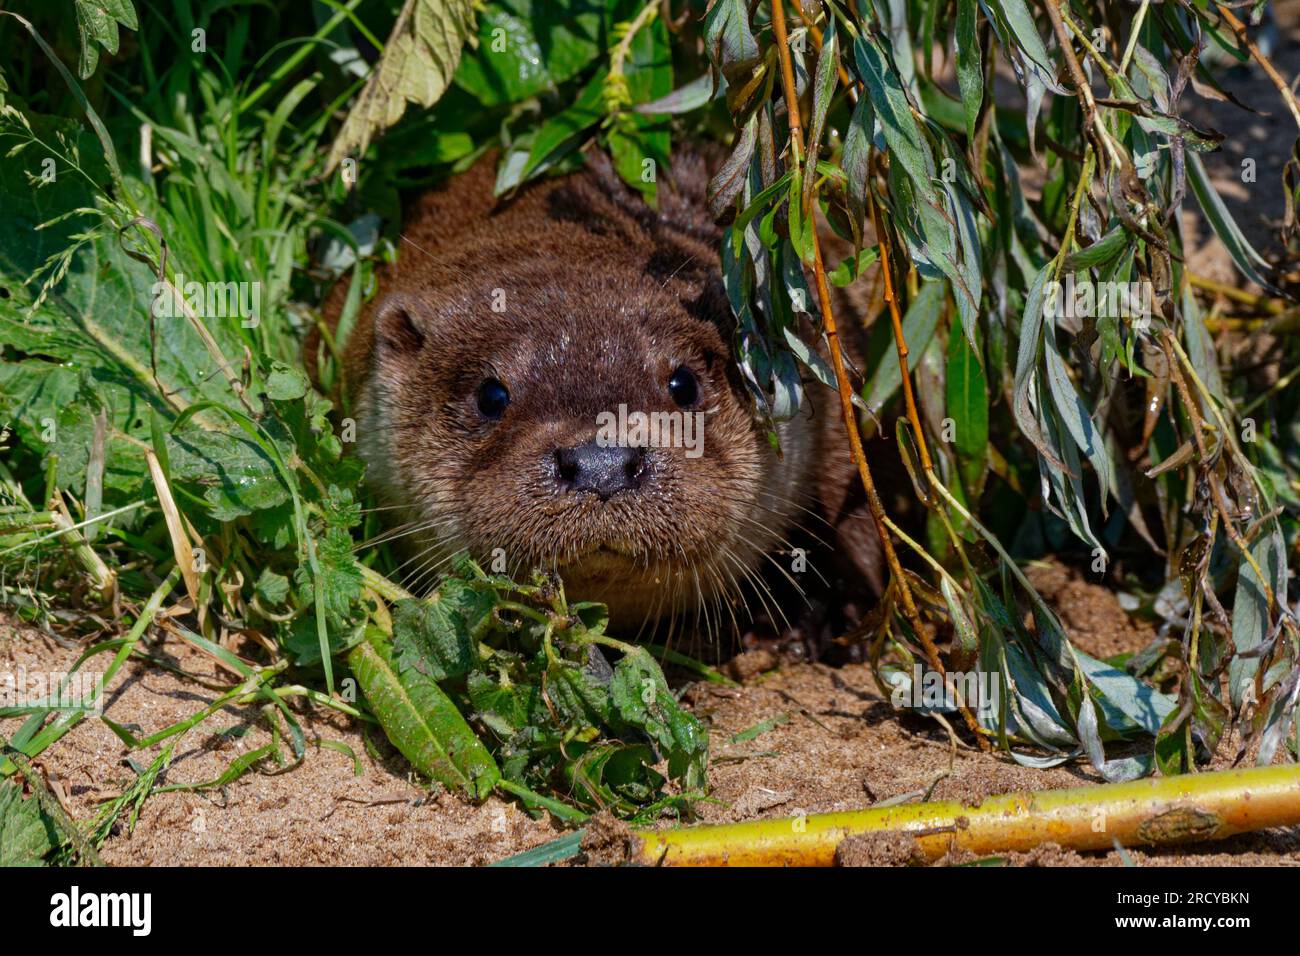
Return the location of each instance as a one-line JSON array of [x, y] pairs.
[[604, 298]]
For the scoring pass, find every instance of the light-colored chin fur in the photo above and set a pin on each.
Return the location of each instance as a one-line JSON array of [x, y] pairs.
[[636, 594]]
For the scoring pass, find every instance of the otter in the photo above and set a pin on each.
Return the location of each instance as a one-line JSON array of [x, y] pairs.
[[509, 333]]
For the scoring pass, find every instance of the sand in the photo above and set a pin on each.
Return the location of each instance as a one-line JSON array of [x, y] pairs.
[[843, 747]]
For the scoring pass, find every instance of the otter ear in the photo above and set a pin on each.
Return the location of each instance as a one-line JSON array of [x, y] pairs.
[[400, 325]]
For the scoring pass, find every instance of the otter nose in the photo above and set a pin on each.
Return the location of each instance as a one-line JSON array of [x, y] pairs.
[[606, 470]]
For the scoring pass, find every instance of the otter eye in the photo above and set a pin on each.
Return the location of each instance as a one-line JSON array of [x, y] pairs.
[[493, 397], [683, 387]]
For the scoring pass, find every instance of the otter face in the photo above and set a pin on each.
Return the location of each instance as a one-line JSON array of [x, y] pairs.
[[499, 432]]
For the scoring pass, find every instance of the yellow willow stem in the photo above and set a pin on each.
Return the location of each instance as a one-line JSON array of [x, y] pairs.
[[1155, 811]]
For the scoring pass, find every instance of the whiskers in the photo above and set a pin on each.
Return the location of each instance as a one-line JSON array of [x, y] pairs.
[[672, 593]]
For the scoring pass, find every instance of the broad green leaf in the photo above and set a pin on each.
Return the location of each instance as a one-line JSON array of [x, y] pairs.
[[1077, 417], [1128, 704], [1251, 621], [641, 144], [968, 401], [437, 637], [734, 53], [857, 150], [823, 89], [848, 271], [919, 323], [566, 131], [526, 48], [685, 99], [728, 182], [642, 698], [1104, 250], [286, 382], [1225, 227], [1025, 393], [1013, 21], [422, 722]]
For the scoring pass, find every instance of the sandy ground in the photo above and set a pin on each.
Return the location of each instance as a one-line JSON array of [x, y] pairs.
[[842, 747]]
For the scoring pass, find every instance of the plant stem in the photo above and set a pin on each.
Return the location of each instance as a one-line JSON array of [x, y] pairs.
[[1155, 811], [1283, 88], [1133, 36], [287, 67], [560, 810], [900, 341], [1261, 302], [788, 88], [385, 588], [877, 509]]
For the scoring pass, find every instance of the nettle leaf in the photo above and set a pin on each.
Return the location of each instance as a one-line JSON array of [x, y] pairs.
[[419, 60], [285, 382], [337, 586], [97, 23], [272, 588], [439, 637], [642, 699], [232, 472], [579, 694], [26, 834], [502, 709]]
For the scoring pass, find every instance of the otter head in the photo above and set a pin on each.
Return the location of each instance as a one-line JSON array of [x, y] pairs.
[[592, 423]]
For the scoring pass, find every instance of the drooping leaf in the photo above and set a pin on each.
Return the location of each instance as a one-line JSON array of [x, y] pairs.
[[970, 69], [902, 133], [419, 60]]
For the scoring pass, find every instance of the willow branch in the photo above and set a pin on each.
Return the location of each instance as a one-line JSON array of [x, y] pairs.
[[1156, 811], [844, 389], [1239, 29]]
